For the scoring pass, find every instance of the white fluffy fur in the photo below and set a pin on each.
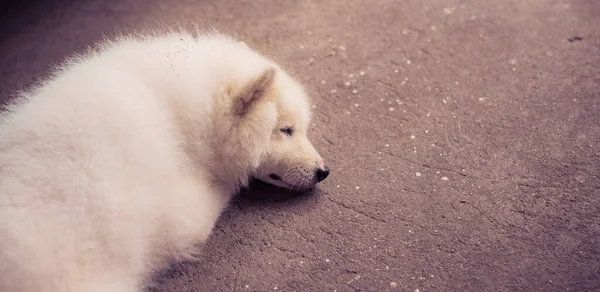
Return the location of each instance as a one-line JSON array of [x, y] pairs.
[[124, 159]]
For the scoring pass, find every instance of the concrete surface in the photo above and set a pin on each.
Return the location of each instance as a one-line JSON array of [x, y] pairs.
[[464, 138]]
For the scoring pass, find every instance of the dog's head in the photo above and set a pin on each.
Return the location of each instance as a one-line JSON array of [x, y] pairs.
[[277, 106], [273, 117]]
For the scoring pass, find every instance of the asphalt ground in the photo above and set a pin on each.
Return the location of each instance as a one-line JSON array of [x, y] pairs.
[[463, 138]]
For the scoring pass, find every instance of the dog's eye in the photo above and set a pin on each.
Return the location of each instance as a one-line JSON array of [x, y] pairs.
[[288, 131]]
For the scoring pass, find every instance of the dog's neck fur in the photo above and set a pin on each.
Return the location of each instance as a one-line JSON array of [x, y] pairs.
[[223, 141], [207, 122], [196, 139]]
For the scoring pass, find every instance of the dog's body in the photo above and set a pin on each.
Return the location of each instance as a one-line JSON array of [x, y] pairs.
[[124, 159]]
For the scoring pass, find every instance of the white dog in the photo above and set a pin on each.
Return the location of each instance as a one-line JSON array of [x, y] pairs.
[[124, 159]]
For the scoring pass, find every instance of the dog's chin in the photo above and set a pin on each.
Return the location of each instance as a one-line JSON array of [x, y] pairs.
[[283, 185]]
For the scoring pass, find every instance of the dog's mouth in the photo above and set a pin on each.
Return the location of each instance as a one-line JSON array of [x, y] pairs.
[[279, 181]]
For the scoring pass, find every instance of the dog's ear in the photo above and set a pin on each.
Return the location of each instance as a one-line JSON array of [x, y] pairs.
[[254, 91]]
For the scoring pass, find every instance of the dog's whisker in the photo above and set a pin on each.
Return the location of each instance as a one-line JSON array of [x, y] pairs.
[[296, 179], [292, 177]]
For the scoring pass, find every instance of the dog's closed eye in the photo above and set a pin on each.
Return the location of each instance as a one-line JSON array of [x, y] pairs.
[[288, 131]]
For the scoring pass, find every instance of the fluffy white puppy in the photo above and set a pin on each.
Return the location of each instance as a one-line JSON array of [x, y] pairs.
[[125, 157]]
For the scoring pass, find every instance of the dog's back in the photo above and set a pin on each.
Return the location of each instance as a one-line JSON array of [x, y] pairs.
[[84, 160]]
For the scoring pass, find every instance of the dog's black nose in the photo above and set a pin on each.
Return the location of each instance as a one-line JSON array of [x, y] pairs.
[[322, 173]]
